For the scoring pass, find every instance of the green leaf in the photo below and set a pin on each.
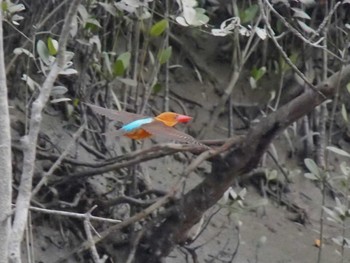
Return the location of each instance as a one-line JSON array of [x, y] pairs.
[[311, 176], [249, 14], [201, 17], [345, 169], [157, 88], [58, 90], [13, 8], [118, 68], [121, 64], [107, 63], [258, 73], [76, 102], [128, 82], [43, 52], [333, 215], [293, 57], [52, 46], [348, 87], [344, 113], [271, 175], [19, 51], [164, 55], [109, 8], [92, 24], [312, 166], [338, 151], [4, 6], [60, 100], [125, 58], [158, 28]]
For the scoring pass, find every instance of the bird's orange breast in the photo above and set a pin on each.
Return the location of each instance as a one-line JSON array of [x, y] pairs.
[[138, 134]]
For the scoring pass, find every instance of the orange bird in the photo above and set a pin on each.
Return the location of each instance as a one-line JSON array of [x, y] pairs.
[[136, 126]]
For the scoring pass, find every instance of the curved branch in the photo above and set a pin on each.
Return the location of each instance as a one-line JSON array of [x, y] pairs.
[[136, 157]]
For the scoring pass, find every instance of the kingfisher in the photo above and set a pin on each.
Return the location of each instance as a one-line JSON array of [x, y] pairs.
[[137, 127]]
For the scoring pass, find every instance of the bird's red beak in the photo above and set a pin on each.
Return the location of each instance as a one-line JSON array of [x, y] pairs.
[[183, 118]]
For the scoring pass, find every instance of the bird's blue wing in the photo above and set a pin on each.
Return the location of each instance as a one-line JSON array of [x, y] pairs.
[[137, 124]]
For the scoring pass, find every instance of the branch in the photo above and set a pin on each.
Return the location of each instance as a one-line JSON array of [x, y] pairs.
[[30, 141], [5, 157], [136, 157], [73, 215]]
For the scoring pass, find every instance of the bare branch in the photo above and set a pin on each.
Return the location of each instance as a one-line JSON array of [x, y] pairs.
[[29, 141], [5, 157], [136, 157], [74, 215], [87, 227]]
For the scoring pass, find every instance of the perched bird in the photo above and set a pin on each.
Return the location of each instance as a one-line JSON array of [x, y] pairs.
[[136, 126]]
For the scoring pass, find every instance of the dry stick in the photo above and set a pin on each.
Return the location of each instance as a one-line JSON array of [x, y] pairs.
[[74, 215], [5, 157], [135, 157], [30, 141], [87, 227], [283, 53], [58, 161]]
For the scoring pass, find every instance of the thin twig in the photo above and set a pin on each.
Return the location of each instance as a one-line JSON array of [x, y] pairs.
[[74, 215]]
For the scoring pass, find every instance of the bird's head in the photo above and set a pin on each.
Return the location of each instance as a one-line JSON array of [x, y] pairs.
[[172, 118]]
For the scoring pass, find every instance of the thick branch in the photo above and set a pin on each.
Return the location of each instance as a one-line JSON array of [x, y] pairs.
[[159, 241], [5, 157]]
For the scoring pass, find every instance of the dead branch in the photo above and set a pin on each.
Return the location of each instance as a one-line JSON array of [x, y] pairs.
[[5, 156], [135, 157]]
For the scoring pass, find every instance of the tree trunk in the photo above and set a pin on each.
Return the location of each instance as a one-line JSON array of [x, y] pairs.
[[5, 157]]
